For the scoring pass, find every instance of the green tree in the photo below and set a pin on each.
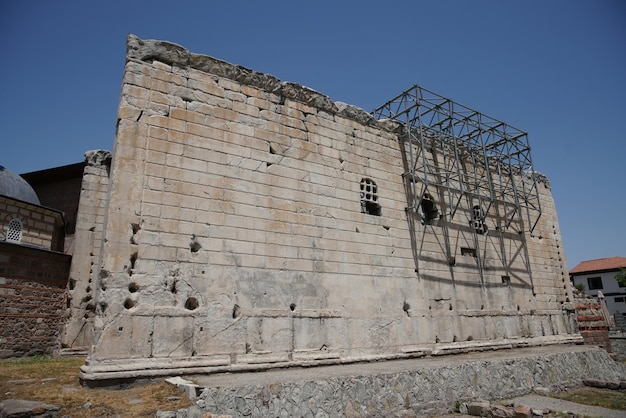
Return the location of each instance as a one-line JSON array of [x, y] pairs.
[[621, 277]]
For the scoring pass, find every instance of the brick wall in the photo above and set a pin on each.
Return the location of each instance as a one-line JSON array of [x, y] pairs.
[[592, 324], [32, 299]]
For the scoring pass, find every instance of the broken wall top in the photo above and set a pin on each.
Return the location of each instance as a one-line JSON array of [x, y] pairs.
[[175, 55]]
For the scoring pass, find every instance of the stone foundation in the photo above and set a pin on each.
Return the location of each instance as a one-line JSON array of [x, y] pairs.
[[420, 387]]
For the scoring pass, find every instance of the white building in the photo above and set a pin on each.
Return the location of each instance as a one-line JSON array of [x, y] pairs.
[[599, 275]]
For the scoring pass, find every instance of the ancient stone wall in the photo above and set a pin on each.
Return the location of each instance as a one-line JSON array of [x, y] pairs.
[[253, 223], [86, 253], [32, 299]]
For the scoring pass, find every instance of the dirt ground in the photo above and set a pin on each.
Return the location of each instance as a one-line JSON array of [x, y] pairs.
[[55, 381]]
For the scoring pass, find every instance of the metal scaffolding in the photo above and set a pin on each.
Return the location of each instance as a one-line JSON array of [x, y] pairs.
[[455, 152]]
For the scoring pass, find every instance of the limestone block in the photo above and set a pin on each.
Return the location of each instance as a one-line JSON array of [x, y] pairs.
[[269, 335], [172, 336], [219, 336]]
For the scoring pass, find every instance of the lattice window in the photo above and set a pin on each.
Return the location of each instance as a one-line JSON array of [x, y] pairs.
[[14, 231], [478, 220], [369, 197]]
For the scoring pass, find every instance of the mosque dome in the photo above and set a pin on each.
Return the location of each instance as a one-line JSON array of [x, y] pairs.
[[14, 186]]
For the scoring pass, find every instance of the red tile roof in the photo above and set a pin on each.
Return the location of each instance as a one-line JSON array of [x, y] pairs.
[[601, 264]]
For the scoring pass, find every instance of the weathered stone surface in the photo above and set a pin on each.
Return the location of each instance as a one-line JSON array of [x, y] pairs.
[[596, 383], [236, 235], [14, 408], [478, 409], [523, 411], [418, 387]]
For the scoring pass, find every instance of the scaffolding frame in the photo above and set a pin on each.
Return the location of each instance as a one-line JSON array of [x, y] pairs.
[[464, 153]]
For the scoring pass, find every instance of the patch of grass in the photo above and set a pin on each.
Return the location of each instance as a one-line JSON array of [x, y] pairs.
[[612, 399], [55, 381]]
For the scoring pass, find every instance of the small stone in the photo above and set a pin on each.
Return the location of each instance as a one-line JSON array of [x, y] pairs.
[[501, 411], [87, 405], [595, 383], [613, 385], [540, 390], [537, 412], [522, 411], [173, 398], [478, 409], [23, 408]]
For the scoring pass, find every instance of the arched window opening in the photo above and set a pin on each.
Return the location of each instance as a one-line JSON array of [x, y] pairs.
[[369, 198], [478, 220], [14, 231], [428, 210]]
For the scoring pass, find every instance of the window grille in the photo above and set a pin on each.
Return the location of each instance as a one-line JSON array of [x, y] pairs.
[[14, 231], [369, 198]]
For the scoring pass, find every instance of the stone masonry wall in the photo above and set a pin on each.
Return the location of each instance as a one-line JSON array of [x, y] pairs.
[[237, 236], [41, 227], [78, 331], [423, 390], [32, 299]]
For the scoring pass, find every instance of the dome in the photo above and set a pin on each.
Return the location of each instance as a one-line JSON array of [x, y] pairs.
[[14, 186]]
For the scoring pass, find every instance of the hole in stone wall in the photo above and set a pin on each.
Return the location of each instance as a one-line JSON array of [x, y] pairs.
[[470, 338], [451, 261], [133, 287], [194, 245], [236, 311], [468, 251], [133, 259], [135, 228], [129, 303], [103, 307], [173, 289], [428, 210], [406, 307], [191, 304], [506, 280], [450, 308], [272, 151], [454, 339], [72, 284], [437, 339], [292, 307]]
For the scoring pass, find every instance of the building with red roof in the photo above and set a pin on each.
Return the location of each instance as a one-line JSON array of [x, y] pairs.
[[599, 276]]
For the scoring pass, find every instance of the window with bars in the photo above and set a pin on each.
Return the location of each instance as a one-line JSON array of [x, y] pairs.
[[369, 198], [14, 231]]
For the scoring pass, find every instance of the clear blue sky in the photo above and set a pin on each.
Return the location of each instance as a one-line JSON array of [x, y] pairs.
[[555, 69]]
